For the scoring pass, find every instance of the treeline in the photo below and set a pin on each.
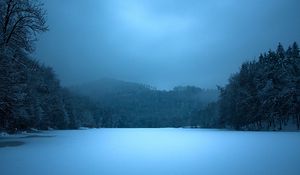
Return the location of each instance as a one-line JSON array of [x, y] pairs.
[[31, 97], [264, 94], [135, 105]]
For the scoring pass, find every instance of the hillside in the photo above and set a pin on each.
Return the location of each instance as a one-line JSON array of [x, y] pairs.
[[138, 105]]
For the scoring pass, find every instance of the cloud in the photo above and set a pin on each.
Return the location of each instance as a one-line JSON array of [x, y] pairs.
[[164, 43]]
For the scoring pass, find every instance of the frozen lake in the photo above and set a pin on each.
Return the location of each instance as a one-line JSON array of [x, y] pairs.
[[153, 152]]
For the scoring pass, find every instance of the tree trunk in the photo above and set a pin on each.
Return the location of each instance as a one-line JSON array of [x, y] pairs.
[[274, 124], [280, 124], [298, 121], [259, 125]]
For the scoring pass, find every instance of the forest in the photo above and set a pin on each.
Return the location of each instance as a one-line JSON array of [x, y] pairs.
[[264, 94], [133, 105]]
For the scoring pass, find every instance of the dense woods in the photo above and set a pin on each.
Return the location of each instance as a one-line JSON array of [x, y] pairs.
[[129, 104], [265, 93], [206, 117]]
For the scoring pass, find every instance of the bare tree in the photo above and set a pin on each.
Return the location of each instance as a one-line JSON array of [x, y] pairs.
[[21, 21]]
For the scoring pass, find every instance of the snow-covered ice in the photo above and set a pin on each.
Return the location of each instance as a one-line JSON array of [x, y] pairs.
[[154, 152]]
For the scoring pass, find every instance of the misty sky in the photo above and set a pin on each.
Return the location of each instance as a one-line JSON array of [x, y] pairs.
[[163, 43]]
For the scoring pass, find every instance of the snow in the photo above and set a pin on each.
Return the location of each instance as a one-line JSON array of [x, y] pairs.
[[153, 152], [3, 134]]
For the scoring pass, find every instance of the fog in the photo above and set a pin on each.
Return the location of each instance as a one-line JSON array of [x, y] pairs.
[[162, 43]]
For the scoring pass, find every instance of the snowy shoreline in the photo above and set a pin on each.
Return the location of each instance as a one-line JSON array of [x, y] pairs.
[[19, 138], [46, 133]]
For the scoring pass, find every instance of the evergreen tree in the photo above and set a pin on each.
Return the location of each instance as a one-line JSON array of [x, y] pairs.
[[280, 51], [263, 92], [295, 50]]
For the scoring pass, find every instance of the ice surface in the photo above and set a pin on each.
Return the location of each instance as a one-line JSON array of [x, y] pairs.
[[154, 152]]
